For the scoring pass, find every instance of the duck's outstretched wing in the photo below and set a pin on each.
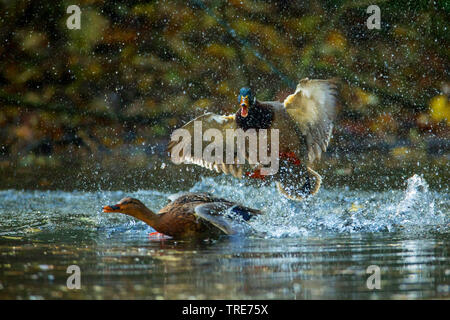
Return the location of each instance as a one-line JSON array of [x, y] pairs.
[[313, 107], [223, 213], [201, 125]]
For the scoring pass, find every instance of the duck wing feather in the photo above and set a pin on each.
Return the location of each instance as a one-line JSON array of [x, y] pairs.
[[223, 213], [218, 162], [313, 108]]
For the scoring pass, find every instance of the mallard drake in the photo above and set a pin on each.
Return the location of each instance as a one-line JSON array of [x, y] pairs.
[[190, 215], [305, 122]]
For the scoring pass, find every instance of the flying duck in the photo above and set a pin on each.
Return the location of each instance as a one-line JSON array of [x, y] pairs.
[[305, 123]]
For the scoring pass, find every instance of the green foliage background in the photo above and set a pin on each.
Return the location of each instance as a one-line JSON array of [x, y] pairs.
[[137, 70]]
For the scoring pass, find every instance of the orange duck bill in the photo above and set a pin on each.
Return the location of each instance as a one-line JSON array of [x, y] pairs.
[[112, 208]]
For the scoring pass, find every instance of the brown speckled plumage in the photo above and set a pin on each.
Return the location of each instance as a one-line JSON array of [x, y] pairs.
[[191, 215]]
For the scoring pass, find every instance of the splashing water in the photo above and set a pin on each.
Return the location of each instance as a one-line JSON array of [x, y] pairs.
[[339, 210], [343, 211], [318, 248], [417, 205]]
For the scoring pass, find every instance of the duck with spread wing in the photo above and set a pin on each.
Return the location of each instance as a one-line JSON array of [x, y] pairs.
[[304, 121], [189, 215]]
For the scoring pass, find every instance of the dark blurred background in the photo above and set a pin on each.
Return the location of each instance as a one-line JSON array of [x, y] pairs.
[[116, 88]]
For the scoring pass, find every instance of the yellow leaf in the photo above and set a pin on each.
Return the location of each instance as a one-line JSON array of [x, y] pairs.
[[32, 230], [440, 109], [12, 238], [202, 103], [337, 40], [355, 207], [399, 152], [220, 51]]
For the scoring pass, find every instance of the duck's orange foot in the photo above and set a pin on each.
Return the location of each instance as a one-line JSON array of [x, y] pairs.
[[256, 175], [291, 157], [157, 235]]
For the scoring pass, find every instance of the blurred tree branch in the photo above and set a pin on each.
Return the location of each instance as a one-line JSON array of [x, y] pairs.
[[12, 100]]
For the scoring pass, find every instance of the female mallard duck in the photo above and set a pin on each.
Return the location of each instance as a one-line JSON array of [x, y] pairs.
[[305, 122], [192, 215]]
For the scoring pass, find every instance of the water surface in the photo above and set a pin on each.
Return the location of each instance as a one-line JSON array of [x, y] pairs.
[[316, 249]]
